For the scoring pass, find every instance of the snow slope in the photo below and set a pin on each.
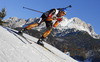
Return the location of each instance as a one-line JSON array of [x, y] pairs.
[[14, 48]]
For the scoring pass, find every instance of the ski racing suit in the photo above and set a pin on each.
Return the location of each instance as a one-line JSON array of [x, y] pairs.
[[47, 17]]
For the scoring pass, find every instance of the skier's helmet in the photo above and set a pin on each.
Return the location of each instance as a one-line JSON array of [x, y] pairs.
[[64, 10]]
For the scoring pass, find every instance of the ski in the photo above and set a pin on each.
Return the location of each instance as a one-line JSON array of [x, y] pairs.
[[21, 36], [28, 40]]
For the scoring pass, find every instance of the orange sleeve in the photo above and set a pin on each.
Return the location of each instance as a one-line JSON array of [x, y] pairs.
[[56, 24]]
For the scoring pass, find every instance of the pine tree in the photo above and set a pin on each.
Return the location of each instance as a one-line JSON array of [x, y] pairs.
[[2, 15]]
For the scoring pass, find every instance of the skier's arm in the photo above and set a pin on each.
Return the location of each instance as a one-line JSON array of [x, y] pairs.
[[57, 22]]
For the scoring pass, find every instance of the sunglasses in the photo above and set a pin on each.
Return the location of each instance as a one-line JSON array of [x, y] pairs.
[[64, 13]]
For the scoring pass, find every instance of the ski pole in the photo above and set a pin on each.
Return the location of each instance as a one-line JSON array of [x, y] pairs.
[[43, 12], [32, 10]]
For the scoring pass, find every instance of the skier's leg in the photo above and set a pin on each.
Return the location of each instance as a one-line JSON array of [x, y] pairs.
[[30, 26], [48, 31], [44, 36], [27, 28], [49, 28], [34, 25]]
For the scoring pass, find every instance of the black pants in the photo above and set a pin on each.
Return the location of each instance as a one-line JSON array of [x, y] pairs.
[[48, 23]]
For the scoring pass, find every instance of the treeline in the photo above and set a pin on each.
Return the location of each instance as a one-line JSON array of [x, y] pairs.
[[2, 15]]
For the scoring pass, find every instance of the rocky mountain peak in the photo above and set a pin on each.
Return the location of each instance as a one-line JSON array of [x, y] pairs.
[[77, 24]]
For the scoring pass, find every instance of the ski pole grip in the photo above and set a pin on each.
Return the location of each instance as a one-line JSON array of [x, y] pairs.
[[68, 6]]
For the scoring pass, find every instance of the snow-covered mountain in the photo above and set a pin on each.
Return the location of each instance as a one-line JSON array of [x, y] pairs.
[[14, 48], [78, 25], [66, 25]]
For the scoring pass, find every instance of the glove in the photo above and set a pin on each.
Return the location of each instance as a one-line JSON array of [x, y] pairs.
[[59, 19]]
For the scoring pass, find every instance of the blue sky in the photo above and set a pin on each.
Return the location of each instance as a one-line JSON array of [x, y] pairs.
[[86, 10]]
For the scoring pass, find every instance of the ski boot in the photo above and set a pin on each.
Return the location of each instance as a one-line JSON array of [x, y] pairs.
[[21, 31], [40, 42]]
